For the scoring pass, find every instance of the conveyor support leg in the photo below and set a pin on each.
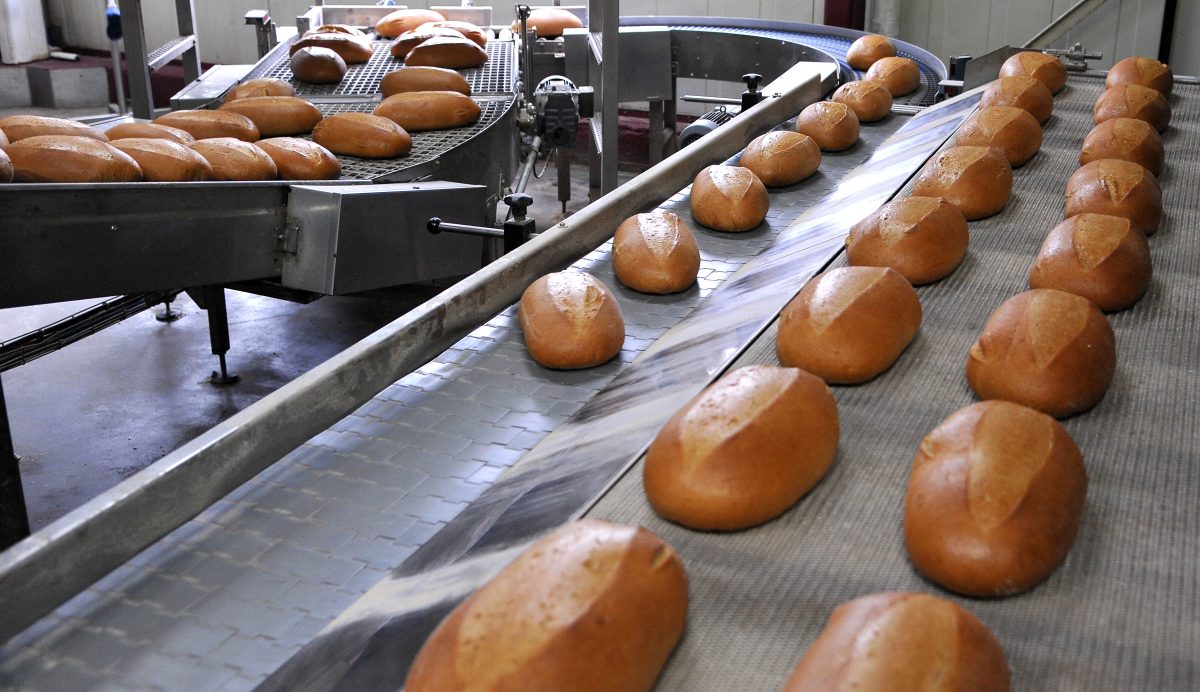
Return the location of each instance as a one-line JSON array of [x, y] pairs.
[[212, 300], [14, 521]]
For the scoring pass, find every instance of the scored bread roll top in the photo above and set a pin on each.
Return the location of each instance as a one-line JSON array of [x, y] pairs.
[[405, 42], [352, 49], [1133, 101], [300, 159], [261, 86], [902, 642], [781, 158], [870, 100], [69, 159], [1117, 188], [277, 115], [395, 23], [18, 127], [1102, 258], [148, 131], [994, 500], [233, 159], [423, 79], [204, 124], [729, 198], [1046, 349], [1013, 131], [977, 180], [900, 75], [744, 450], [1020, 92], [550, 22], [832, 125], [1147, 72], [467, 30], [1127, 139], [867, 50], [317, 65], [571, 320], [655, 253], [922, 238], [165, 161], [417, 111], [1047, 69], [6, 167], [453, 52], [363, 135]]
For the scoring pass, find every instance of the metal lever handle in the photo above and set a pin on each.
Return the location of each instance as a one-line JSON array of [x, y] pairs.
[[518, 202], [752, 80]]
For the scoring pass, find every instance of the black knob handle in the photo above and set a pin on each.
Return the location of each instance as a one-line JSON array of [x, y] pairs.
[[434, 225], [752, 80], [518, 202], [523, 11]]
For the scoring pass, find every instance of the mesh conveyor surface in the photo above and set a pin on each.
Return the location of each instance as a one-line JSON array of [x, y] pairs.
[[1123, 612]]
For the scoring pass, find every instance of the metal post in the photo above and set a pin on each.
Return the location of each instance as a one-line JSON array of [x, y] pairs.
[[606, 14], [657, 131], [185, 13], [136, 61], [14, 521]]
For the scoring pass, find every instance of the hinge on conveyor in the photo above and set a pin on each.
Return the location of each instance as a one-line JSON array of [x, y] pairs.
[[287, 241]]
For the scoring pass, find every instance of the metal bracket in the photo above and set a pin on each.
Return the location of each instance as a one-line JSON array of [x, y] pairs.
[[1076, 56]]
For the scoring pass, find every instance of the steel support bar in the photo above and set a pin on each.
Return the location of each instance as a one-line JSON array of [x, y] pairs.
[[1062, 24], [14, 521], [185, 13], [133, 30]]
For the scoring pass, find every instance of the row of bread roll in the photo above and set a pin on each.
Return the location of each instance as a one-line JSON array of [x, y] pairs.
[[447, 44], [877, 55]]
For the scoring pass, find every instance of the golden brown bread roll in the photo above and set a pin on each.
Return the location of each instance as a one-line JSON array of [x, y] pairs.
[[300, 159], [69, 159], [655, 253], [395, 23], [902, 642], [1013, 131], [277, 115], [475, 33], [593, 603], [417, 111], [1147, 72], [148, 131], [867, 50], [744, 450], [363, 135], [18, 127], [233, 159], [1133, 101], [455, 53], [729, 198], [849, 324], [870, 100], [1117, 188], [1127, 139], [405, 42], [977, 180], [261, 86], [994, 499], [329, 29], [352, 49], [922, 238], [1020, 92], [423, 79], [549, 22], [781, 158], [832, 125], [1102, 258], [571, 320], [203, 124], [900, 75], [1047, 69], [165, 161], [1045, 349], [6, 168], [318, 66]]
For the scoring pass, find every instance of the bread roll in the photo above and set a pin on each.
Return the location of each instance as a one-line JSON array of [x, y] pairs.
[[1013, 131], [849, 324], [867, 50], [277, 115], [1117, 188], [318, 66], [1133, 101], [204, 124], [474, 33], [6, 168], [18, 127], [1102, 258], [870, 100], [417, 111], [977, 180], [900, 75], [655, 253], [405, 42], [729, 198], [68, 159], [330, 29], [262, 86], [994, 500], [1020, 92], [165, 161], [363, 135], [456, 53], [744, 450], [353, 50], [1046, 349], [1047, 69], [1147, 72], [593, 604], [549, 22], [233, 159], [902, 642], [571, 320], [832, 125], [782, 158], [395, 23], [423, 79], [300, 159], [1127, 139], [922, 238], [149, 131]]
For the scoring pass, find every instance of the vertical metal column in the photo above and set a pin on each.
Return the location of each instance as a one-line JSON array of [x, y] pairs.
[[14, 521], [603, 15], [185, 13], [136, 61]]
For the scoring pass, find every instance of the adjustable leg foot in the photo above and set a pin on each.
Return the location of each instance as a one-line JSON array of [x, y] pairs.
[[167, 314], [223, 377]]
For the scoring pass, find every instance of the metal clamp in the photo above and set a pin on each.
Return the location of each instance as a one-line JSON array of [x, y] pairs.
[[751, 95], [1076, 56], [515, 233]]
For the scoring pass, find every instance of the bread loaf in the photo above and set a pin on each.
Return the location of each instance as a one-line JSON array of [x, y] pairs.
[[455, 53], [655, 253], [867, 50], [592, 605], [203, 124], [6, 168], [165, 161], [277, 115], [994, 500], [549, 22], [571, 320], [68, 159], [977, 180], [1127, 139], [148, 131], [18, 127], [1102, 258], [849, 324], [300, 159], [262, 86], [417, 111], [1133, 101], [832, 125], [870, 100], [1013, 131], [900, 75], [729, 198], [476, 34], [1020, 92], [363, 135], [1047, 69], [330, 29], [781, 158], [1046, 349], [744, 450], [233, 159], [405, 42], [902, 642], [395, 23], [1117, 188], [352, 49], [318, 66], [922, 238], [1147, 72], [423, 79]]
